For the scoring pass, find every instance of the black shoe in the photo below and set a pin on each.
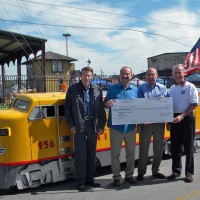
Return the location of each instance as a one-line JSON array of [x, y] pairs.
[[93, 184], [189, 179], [116, 182], [159, 175], [81, 188], [173, 176], [130, 180], [140, 177]]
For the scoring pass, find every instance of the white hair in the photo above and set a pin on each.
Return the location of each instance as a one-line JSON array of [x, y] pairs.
[[178, 66]]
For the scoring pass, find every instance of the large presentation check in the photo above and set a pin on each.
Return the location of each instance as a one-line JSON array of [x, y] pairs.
[[142, 110]]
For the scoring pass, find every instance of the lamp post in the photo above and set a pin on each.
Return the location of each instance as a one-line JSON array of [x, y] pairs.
[[66, 35]]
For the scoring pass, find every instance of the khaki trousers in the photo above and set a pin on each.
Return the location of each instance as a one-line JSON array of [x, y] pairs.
[[116, 139]]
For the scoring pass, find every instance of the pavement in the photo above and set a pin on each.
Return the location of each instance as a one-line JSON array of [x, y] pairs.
[[148, 189]]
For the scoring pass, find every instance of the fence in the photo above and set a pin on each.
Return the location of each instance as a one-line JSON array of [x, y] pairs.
[[50, 83]]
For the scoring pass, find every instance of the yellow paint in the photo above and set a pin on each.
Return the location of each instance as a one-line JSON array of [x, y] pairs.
[[189, 195]]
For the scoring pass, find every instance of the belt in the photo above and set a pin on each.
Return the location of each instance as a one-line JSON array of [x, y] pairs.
[[88, 117], [176, 114]]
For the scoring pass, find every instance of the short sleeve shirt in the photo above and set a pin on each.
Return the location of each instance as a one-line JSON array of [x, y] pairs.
[[183, 96]]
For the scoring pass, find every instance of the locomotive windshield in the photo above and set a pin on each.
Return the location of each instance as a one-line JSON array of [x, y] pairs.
[[20, 104]]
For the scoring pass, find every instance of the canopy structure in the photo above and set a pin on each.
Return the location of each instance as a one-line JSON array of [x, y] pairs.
[[100, 82], [14, 46], [162, 81], [193, 77]]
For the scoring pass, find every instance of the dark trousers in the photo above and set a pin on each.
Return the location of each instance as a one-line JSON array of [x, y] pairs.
[[182, 135], [85, 154]]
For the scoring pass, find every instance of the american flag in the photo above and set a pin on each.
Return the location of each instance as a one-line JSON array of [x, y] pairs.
[[192, 62]]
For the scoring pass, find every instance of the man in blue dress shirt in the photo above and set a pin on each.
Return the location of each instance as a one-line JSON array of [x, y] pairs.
[[151, 89], [126, 132]]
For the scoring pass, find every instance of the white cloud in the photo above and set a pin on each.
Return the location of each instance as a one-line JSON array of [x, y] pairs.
[[108, 50]]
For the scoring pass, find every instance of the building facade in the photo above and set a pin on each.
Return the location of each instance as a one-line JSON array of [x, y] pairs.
[[58, 68], [166, 61]]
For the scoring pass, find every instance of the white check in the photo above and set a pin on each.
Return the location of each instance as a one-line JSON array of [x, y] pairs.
[[142, 110]]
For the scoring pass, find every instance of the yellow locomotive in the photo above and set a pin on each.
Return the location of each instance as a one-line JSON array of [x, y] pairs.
[[36, 146]]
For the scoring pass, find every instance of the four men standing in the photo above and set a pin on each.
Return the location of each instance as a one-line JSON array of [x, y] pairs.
[[86, 118]]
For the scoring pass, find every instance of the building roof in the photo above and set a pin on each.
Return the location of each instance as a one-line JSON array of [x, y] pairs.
[[49, 55], [16, 45], [175, 53]]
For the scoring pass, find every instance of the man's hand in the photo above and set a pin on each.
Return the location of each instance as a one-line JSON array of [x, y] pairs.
[[101, 131], [109, 103], [73, 130], [178, 119], [138, 128]]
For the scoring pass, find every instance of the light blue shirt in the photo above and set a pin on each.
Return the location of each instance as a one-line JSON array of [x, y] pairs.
[[147, 91], [117, 91]]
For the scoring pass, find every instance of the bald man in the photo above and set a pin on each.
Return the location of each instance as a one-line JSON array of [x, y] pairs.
[[151, 89]]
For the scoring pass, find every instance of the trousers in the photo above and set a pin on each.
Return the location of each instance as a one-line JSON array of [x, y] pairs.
[[85, 154], [116, 139], [182, 135], [157, 131]]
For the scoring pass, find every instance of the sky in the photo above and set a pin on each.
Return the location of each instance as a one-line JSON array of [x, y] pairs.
[[110, 33]]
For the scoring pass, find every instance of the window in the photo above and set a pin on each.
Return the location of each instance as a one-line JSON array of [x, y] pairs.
[[166, 64], [29, 68], [50, 111], [178, 61], [35, 114], [42, 112], [23, 105], [61, 110], [57, 66]]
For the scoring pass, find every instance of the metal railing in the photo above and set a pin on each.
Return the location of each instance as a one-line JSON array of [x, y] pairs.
[[40, 83]]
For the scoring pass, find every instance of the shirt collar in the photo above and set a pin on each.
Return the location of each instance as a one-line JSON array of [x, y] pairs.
[[121, 86], [181, 84], [90, 86], [152, 87]]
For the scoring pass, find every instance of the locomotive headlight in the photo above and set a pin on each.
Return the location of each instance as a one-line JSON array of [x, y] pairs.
[[4, 132]]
